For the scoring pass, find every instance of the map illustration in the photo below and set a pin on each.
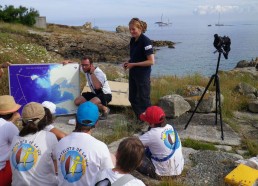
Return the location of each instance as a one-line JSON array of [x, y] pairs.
[[46, 82]]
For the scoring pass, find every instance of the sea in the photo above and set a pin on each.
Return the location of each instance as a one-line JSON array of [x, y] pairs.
[[194, 51]]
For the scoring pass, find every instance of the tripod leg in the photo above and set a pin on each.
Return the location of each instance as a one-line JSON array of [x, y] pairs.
[[211, 79], [220, 110], [217, 98]]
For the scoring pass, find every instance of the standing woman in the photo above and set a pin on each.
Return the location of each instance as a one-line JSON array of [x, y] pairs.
[[139, 65]]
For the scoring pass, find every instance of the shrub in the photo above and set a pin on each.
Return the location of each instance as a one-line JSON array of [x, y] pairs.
[[198, 145], [22, 15]]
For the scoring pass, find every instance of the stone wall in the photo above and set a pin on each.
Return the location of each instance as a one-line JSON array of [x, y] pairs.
[[41, 22]]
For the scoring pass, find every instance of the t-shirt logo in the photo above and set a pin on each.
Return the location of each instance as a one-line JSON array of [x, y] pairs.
[[73, 166], [170, 139], [148, 47], [24, 156]]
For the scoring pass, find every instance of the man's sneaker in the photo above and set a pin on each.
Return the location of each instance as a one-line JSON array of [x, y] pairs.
[[104, 115]]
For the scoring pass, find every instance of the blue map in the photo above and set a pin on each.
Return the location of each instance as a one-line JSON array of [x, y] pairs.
[[46, 82]]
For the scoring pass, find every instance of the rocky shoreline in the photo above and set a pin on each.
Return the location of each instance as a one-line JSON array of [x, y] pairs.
[[75, 42]]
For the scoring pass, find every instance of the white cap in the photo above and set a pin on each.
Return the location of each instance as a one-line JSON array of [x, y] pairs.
[[51, 106]]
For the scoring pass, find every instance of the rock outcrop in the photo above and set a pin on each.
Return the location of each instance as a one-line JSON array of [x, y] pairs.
[[75, 42], [122, 29], [245, 63], [246, 89], [253, 106], [174, 105], [100, 45], [207, 104]]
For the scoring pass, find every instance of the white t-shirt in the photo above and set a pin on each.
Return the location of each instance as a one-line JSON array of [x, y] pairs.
[[80, 156], [32, 159], [162, 141], [49, 128], [101, 76], [7, 132], [113, 176]]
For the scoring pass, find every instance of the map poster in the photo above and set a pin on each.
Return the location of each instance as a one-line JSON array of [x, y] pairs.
[[46, 82]]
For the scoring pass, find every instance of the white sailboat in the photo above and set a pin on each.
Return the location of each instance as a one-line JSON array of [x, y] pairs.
[[219, 24], [161, 23]]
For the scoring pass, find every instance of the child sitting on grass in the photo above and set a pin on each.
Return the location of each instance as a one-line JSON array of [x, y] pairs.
[[163, 154], [128, 157]]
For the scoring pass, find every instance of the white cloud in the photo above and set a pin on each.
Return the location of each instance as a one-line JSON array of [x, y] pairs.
[[206, 9]]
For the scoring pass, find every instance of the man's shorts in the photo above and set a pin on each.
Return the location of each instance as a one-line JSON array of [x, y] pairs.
[[104, 98]]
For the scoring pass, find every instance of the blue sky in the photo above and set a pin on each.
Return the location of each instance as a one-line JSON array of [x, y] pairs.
[[119, 12]]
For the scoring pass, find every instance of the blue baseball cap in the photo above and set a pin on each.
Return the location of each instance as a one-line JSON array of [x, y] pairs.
[[87, 114]]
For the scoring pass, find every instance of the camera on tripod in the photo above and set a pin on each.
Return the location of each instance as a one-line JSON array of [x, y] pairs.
[[222, 44]]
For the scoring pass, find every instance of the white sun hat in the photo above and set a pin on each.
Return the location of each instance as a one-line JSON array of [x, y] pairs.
[[51, 106]]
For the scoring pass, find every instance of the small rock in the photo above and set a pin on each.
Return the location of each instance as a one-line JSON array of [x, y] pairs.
[[224, 147], [245, 89], [242, 64], [242, 152], [253, 106], [174, 105]]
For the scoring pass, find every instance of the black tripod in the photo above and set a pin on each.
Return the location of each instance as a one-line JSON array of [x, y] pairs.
[[214, 77]]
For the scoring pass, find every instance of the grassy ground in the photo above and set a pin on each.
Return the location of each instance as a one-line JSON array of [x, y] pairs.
[[17, 47]]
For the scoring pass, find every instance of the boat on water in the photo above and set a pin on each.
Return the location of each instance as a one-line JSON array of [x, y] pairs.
[[209, 25], [161, 23], [219, 24]]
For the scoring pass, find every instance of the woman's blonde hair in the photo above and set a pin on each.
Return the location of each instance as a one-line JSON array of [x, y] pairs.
[[139, 24]]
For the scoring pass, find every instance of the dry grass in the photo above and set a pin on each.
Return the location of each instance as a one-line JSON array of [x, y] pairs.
[[14, 28], [233, 101], [251, 145], [111, 71], [63, 30], [165, 85], [75, 31], [171, 182]]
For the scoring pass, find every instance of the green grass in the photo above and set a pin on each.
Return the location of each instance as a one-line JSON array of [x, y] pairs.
[[197, 145], [171, 182], [120, 130], [251, 145]]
